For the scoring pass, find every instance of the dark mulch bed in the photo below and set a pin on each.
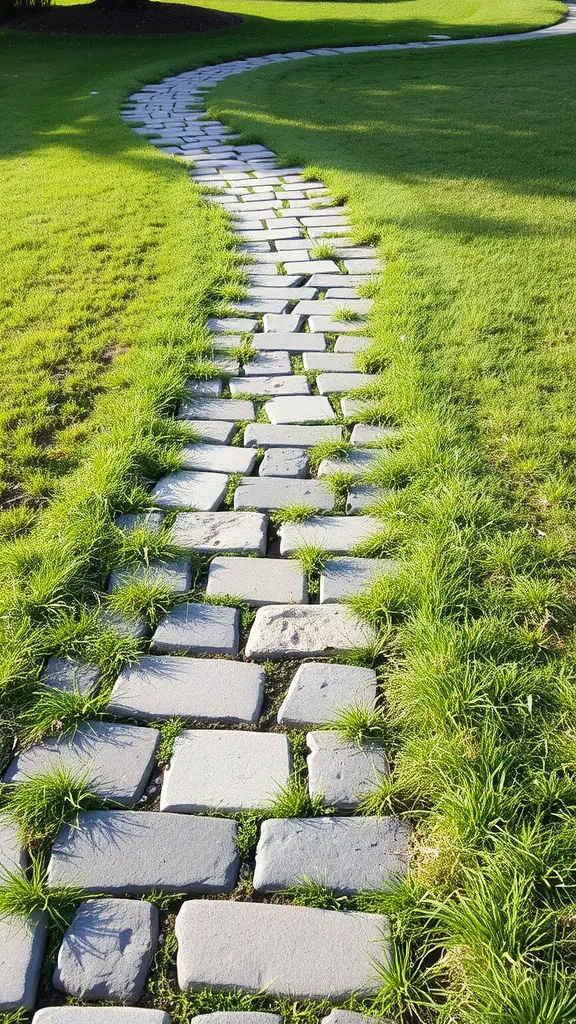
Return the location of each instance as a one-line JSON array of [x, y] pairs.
[[139, 19]]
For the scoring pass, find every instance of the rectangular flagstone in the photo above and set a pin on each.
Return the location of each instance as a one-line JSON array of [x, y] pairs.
[[347, 855], [342, 772], [62, 673], [100, 1015], [292, 631], [13, 857], [362, 497], [198, 629], [366, 433], [335, 383], [280, 435], [337, 534], [268, 364], [313, 267], [311, 409], [185, 489], [116, 759], [286, 323], [208, 689], [225, 770], [204, 388], [232, 325], [357, 462], [292, 462], [261, 306], [350, 343], [291, 342], [22, 943], [329, 361], [343, 577], [130, 521], [216, 409], [338, 280], [327, 307], [362, 266], [352, 408], [133, 852], [212, 431], [270, 581], [175, 574], [291, 385], [320, 690], [299, 952], [330, 325], [281, 292], [217, 458], [239, 532], [265, 493]]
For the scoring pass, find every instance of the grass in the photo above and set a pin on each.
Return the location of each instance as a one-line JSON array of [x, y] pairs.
[[22, 895], [40, 805]]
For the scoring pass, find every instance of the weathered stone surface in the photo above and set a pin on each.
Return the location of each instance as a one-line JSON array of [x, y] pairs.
[[198, 629], [342, 772], [236, 1017], [22, 945], [320, 690], [123, 852], [268, 364], [338, 534], [226, 770], [342, 577], [217, 458], [313, 267], [337, 363], [274, 435], [349, 343], [345, 854], [311, 409], [213, 431], [301, 952], [291, 462], [329, 324], [131, 521], [294, 384], [240, 532], [216, 409], [99, 1015], [174, 574], [292, 342], [69, 674], [366, 433], [208, 689], [362, 266], [232, 325], [12, 854], [268, 581], [107, 950], [335, 383], [264, 493], [357, 461], [362, 497], [292, 631], [282, 323], [339, 1016], [354, 407], [137, 627], [117, 759], [184, 489], [204, 388]]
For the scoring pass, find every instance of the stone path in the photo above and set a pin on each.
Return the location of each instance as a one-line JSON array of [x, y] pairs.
[[307, 324]]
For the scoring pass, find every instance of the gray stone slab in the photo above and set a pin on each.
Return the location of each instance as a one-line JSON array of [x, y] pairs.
[[329, 361], [213, 431], [243, 533], [330, 325], [69, 675], [291, 462], [283, 323], [107, 950], [186, 489], [134, 852], [100, 1015], [175, 574], [269, 364], [117, 759], [291, 385], [131, 521], [296, 342], [22, 945], [269, 492], [300, 952], [320, 690], [310, 409], [236, 1017], [339, 1016], [268, 581], [337, 534], [366, 433], [343, 577], [232, 325], [218, 458], [338, 282], [349, 343], [274, 435], [198, 629], [342, 772], [362, 497], [216, 409], [13, 857], [362, 266], [330, 307], [261, 306], [353, 408], [293, 631], [204, 388], [312, 267], [137, 628], [226, 342], [208, 689], [225, 770], [357, 462], [345, 854], [335, 383]]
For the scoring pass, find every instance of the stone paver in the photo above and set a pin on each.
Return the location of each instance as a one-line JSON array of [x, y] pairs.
[[363, 497], [266, 493], [243, 533], [218, 458], [312, 409], [274, 435], [12, 854], [329, 361], [107, 950], [291, 462], [213, 431], [338, 534], [291, 385], [161, 686], [292, 342], [349, 343], [339, 1016], [336, 383], [216, 409], [184, 489], [342, 772], [320, 690], [198, 629], [69, 674], [22, 943], [345, 854], [300, 952], [100, 1015], [131, 521], [365, 433], [134, 852], [343, 577], [222, 770], [358, 462], [269, 581], [137, 627], [174, 574], [117, 759], [291, 631], [204, 388], [268, 364], [236, 1017]]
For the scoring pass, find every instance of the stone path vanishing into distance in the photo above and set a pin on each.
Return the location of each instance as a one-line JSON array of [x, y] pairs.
[[308, 324]]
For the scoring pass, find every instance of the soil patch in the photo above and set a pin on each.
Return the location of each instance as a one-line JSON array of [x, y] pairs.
[[141, 19]]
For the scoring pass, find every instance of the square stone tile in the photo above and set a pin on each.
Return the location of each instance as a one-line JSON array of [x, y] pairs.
[[320, 690], [184, 489], [342, 772], [344, 577], [198, 629]]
